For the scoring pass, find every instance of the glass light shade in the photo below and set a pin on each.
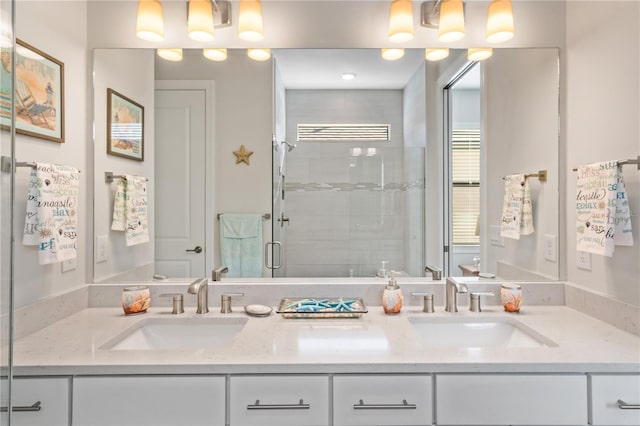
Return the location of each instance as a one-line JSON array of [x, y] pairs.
[[436, 54], [348, 76], [479, 53], [173, 55], [451, 27], [217, 55], [392, 54], [150, 24], [200, 20], [250, 20], [500, 21], [259, 54], [401, 21]]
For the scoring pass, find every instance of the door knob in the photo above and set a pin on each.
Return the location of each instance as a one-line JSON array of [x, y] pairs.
[[197, 249]]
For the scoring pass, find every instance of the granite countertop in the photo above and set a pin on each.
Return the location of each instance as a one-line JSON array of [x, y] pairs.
[[374, 343]]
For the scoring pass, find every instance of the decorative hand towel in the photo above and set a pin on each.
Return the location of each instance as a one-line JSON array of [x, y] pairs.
[[51, 221], [241, 244], [526, 220], [130, 209], [603, 219], [512, 206]]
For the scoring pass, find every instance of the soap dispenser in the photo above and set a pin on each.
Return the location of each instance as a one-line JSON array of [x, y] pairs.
[[392, 296]]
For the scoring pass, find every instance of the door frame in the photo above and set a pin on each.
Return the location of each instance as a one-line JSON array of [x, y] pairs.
[[209, 225]]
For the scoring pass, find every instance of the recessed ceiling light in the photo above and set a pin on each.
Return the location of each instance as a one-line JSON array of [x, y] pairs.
[[348, 76]]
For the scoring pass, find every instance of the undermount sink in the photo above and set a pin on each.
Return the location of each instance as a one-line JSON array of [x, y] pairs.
[[178, 334], [495, 332]]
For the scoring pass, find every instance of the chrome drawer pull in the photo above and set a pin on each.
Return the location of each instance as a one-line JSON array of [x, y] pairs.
[[624, 406], [37, 406], [300, 406], [362, 406]]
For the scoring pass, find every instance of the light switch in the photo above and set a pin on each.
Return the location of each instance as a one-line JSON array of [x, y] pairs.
[[550, 248], [101, 248], [494, 236]]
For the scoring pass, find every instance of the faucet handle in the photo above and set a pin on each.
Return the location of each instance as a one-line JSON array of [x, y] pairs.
[[427, 301], [178, 302], [474, 300], [225, 302]]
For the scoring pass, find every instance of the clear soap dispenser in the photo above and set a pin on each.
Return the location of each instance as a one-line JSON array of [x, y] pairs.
[[392, 296]]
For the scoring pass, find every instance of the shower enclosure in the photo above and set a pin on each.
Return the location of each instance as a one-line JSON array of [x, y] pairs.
[[341, 209]]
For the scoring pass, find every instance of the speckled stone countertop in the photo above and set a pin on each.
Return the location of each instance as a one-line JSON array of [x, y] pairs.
[[374, 343]]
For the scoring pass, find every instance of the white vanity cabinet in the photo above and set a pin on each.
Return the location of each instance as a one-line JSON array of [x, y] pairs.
[[606, 391], [511, 399], [382, 400], [290, 400], [149, 401], [53, 393]]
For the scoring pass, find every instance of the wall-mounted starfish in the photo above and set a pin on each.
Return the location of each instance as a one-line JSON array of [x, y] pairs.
[[242, 155]]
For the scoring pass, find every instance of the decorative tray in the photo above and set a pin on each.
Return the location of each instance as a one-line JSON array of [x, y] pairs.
[[340, 307]]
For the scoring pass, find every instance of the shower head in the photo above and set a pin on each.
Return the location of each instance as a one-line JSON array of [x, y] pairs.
[[289, 145]]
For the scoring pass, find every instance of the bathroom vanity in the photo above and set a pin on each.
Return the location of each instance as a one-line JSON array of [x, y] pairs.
[[547, 365]]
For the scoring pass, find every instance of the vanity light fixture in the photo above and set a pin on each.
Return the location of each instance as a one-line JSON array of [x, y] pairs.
[[436, 54], [401, 21], [173, 55], [392, 54], [217, 55], [479, 53], [250, 27], [200, 20], [500, 21], [259, 54], [451, 25], [348, 75], [149, 22]]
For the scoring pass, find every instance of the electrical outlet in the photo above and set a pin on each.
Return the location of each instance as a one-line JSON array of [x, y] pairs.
[[101, 248], [69, 265], [494, 236], [550, 248], [583, 260]]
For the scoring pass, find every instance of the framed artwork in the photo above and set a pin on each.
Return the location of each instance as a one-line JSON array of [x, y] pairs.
[[125, 126], [39, 93]]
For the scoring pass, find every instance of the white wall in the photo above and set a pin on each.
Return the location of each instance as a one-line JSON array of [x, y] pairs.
[[244, 116], [130, 73], [521, 134], [602, 110], [60, 30]]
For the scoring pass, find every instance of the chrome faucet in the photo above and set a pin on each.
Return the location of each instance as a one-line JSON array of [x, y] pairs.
[[436, 273], [452, 288], [216, 275], [201, 288]]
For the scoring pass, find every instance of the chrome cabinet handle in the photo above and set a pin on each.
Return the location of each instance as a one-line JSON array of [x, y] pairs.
[[36, 406], [299, 406], [624, 406], [196, 249], [404, 406]]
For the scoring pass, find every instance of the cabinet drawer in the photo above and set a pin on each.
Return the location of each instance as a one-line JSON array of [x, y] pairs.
[[511, 399], [606, 390], [279, 400], [53, 394], [149, 400], [380, 400]]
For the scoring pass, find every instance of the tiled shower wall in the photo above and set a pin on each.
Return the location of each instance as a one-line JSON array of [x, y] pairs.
[[348, 213]]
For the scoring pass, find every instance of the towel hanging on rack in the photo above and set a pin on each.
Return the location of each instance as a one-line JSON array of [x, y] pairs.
[[130, 209], [52, 212], [517, 210], [603, 218]]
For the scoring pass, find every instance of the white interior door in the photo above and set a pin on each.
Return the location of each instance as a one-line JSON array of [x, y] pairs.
[[180, 163]]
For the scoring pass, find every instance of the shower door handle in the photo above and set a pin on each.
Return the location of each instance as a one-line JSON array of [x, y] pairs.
[[283, 219], [266, 254]]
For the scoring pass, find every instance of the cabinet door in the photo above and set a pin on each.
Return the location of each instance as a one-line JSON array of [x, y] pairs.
[[53, 394], [511, 399], [279, 400], [382, 400], [149, 401], [606, 391]]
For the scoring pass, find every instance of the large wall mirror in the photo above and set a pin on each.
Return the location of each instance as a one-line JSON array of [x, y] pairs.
[[346, 174]]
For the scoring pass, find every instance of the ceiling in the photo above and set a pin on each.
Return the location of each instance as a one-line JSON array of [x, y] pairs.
[[323, 68]]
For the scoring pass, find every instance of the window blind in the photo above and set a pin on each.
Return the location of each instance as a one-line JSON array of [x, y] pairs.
[[465, 173], [344, 132]]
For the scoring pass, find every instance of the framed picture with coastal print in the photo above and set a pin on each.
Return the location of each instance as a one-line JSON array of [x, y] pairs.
[[125, 126], [39, 93]]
